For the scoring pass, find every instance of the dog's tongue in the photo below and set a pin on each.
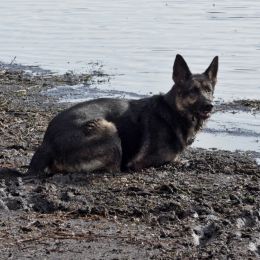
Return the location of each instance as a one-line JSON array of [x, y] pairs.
[[205, 114]]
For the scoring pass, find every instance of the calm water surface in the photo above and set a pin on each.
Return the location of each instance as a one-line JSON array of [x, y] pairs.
[[136, 41]]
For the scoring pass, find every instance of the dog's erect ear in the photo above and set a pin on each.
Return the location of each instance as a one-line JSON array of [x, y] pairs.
[[181, 71], [212, 71]]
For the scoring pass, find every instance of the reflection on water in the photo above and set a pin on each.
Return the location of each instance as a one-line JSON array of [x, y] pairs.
[[137, 40], [81, 92], [239, 131]]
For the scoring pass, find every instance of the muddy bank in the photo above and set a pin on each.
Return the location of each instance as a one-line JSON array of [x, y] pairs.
[[239, 105], [205, 207]]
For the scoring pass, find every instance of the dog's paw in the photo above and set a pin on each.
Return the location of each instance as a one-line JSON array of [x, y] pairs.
[[133, 166]]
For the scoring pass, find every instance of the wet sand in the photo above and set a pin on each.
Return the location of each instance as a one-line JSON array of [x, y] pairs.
[[205, 207]]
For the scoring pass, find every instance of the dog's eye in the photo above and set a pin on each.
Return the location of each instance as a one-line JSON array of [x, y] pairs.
[[207, 89], [194, 91]]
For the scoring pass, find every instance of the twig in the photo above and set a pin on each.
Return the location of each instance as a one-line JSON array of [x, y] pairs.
[[13, 60]]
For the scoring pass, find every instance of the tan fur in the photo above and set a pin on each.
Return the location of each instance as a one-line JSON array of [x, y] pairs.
[[183, 103], [99, 126], [91, 165]]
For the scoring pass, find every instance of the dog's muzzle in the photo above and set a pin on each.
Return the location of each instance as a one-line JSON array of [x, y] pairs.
[[205, 111]]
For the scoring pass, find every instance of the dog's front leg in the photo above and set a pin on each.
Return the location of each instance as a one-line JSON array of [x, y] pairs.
[[148, 161], [135, 165], [138, 162], [154, 159]]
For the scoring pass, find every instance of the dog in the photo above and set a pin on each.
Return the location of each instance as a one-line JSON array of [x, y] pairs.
[[115, 135]]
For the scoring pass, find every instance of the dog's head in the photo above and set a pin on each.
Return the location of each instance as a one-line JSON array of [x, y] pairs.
[[194, 92]]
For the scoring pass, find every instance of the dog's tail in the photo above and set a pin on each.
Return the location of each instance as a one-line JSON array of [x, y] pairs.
[[41, 160]]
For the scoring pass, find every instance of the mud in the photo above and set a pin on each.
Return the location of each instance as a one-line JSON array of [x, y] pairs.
[[207, 206], [246, 105]]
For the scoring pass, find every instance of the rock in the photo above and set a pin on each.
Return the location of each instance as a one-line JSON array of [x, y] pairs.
[[3, 206], [14, 203]]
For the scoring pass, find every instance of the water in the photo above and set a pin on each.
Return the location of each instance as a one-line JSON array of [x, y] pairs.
[[81, 92], [231, 131], [137, 41]]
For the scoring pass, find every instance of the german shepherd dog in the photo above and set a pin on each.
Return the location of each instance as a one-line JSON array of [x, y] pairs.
[[109, 134]]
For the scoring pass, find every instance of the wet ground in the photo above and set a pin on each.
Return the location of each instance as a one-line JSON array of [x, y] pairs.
[[206, 207]]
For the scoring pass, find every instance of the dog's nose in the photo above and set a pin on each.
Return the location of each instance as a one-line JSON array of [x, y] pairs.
[[208, 107]]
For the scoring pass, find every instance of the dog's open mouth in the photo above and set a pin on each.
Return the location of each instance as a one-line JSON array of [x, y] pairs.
[[204, 114]]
